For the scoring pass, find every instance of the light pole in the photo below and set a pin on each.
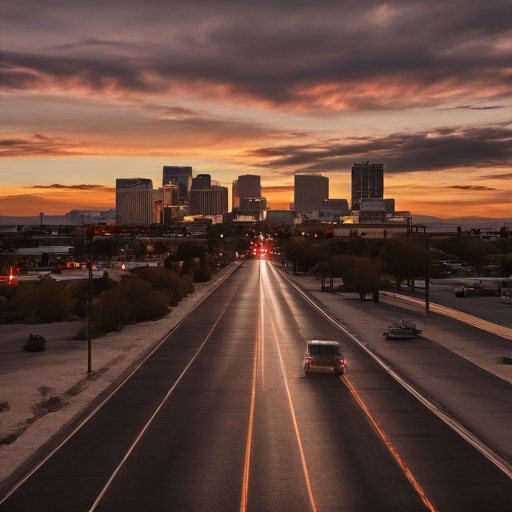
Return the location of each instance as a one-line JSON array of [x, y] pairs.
[[427, 279], [90, 232]]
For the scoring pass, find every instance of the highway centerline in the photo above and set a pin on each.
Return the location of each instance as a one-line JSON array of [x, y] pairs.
[[292, 410], [245, 485]]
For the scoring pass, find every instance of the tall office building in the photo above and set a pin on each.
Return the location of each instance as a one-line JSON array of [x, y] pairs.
[[166, 204], [310, 190], [248, 185], [134, 201], [367, 182], [201, 182], [207, 199], [235, 200], [181, 174]]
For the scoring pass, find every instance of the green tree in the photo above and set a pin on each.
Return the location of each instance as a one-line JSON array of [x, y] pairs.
[[406, 258], [363, 275], [506, 266], [189, 249], [472, 250]]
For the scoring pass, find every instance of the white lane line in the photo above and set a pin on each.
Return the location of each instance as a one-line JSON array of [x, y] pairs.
[[144, 430], [292, 410], [121, 384], [451, 422]]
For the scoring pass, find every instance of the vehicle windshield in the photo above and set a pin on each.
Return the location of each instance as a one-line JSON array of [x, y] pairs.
[[323, 349]]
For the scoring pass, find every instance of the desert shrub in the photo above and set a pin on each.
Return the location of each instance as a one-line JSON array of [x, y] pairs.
[[110, 311], [144, 302], [175, 287], [202, 273], [43, 302]]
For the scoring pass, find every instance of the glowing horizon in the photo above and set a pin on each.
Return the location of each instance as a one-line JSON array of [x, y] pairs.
[[272, 90]]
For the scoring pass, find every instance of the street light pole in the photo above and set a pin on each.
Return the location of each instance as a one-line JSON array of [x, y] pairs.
[[89, 306], [427, 279]]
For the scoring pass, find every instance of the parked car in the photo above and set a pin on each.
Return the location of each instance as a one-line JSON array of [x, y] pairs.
[[402, 330], [325, 357]]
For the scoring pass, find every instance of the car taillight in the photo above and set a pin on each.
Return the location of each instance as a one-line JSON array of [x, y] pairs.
[[310, 361], [344, 361]]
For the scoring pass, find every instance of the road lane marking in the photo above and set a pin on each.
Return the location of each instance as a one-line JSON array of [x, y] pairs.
[[294, 419], [381, 433], [152, 350], [262, 344], [245, 484], [146, 427], [473, 440]]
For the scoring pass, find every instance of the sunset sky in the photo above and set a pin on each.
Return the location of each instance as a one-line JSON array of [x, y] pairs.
[[94, 91]]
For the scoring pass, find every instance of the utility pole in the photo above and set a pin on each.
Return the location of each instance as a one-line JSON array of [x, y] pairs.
[[427, 279], [331, 280], [89, 305]]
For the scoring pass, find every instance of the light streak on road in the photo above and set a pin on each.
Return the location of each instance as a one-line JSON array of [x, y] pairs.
[[446, 418], [292, 410], [245, 484], [381, 433]]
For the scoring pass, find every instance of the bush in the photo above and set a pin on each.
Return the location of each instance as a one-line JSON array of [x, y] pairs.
[[175, 287], [202, 274], [110, 311], [43, 302], [144, 302]]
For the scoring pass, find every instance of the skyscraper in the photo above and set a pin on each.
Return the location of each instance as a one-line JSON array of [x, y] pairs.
[[310, 190], [181, 174], [248, 185], [207, 199], [134, 201], [201, 182], [235, 200], [367, 181]]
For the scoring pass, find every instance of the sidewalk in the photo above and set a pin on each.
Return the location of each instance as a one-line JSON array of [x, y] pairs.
[[66, 374]]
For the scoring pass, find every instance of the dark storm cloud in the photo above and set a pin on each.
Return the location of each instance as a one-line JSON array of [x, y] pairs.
[[58, 186], [472, 187], [323, 56], [472, 107], [38, 145], [505, 176], [173, 112], [87, 42], [438, 149]]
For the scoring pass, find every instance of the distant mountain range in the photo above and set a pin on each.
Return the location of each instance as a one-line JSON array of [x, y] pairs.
[[466, 223]]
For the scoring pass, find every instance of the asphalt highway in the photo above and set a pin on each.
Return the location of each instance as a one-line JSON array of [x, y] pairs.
[[222, 418]]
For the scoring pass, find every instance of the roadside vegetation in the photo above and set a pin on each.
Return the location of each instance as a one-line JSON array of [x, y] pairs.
[[369, 265], [143, 294]]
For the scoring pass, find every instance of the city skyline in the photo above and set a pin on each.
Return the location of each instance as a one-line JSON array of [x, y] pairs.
[[272, 90]]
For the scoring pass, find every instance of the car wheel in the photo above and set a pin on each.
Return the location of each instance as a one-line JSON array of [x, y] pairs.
[[340, 372], [306, 372]]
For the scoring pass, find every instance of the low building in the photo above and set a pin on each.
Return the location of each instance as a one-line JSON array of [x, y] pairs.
[[281, 217]]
